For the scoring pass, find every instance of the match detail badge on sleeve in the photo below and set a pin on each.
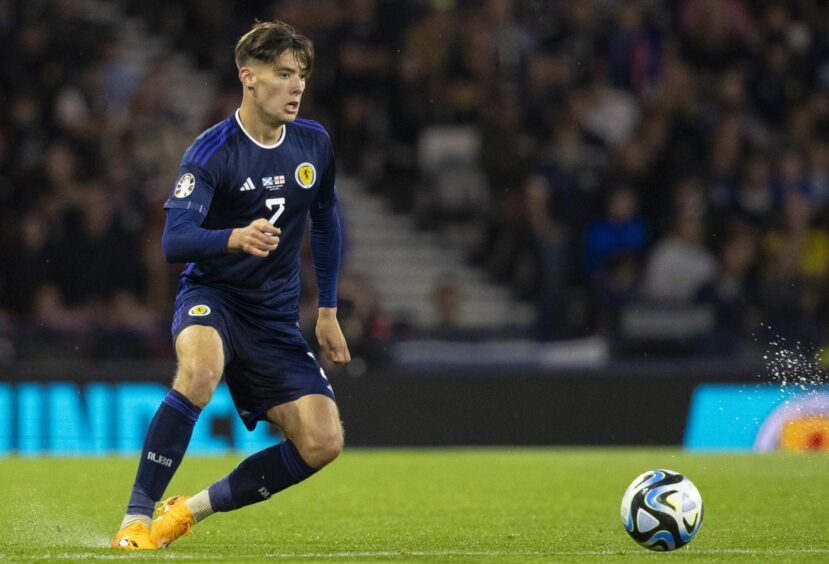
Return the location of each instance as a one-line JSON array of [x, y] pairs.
[[199, 311], [305, 175], [185, 185]]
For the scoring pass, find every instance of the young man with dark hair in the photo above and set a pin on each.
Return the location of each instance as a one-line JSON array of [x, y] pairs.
[[237, 216]]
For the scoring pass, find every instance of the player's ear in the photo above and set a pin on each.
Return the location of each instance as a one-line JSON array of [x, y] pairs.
[[247, 77]]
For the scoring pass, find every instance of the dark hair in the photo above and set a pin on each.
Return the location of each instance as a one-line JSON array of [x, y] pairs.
[[266, 41]]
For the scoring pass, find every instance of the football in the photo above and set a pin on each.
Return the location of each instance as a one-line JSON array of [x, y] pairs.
[[662, 510]]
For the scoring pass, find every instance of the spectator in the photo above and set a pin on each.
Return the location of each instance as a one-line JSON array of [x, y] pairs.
[[754, 197], [621, 231], [679, 264], [716, 35], [634, 49], [614, 287], [559, 198], [796, 265], [798, 248], [734, 293], [95, 237]]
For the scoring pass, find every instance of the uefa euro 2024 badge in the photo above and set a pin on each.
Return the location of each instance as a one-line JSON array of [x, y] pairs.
[[185, 185]]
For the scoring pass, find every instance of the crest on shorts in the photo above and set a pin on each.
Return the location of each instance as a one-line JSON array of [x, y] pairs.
[[185, 185], [199, 310], [305, 175]]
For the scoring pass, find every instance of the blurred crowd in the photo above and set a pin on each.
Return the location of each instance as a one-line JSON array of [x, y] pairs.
[[596, 156]]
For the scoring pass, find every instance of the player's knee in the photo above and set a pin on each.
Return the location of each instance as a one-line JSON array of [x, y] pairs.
[[197, 383], [321, 447]]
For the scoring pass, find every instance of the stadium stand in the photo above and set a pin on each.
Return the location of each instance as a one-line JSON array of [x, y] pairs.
[[713, 117]]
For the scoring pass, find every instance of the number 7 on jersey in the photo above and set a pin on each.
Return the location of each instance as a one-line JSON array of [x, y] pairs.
[[280, 203]]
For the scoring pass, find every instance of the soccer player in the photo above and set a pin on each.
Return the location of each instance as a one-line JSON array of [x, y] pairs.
[[237, 216]]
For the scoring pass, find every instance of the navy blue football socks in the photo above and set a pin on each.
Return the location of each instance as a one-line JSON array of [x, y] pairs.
[[164, 447], [259, 476]]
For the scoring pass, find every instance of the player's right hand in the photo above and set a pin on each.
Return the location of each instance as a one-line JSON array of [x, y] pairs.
[[259, 239]]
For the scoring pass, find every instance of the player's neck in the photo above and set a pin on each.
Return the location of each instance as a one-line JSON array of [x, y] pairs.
[[257, 127]]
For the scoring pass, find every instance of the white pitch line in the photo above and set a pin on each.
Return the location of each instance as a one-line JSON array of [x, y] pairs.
[[408, 554]]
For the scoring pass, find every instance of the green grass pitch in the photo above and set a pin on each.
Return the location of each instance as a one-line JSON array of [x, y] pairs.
[[441, 505]]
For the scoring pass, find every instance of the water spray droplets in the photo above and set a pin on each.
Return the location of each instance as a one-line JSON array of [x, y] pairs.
[[792, 365]]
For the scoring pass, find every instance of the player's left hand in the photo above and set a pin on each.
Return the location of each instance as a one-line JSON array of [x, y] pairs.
[[331, 337]]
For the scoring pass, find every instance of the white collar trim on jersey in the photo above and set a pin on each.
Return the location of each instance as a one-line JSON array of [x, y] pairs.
[[245, 131]]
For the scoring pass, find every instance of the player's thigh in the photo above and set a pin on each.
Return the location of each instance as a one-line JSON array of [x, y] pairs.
[[312, 423], [201, 361]]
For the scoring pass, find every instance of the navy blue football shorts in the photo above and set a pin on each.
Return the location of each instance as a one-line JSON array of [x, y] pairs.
[[267, 362]]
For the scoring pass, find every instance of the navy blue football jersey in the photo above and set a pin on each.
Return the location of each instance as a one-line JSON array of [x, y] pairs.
[[232, 180]]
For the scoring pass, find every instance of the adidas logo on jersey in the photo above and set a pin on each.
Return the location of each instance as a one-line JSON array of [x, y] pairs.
[[248, 185]]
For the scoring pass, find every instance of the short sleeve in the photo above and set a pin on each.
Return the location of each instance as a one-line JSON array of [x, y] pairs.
[[194, 189]]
